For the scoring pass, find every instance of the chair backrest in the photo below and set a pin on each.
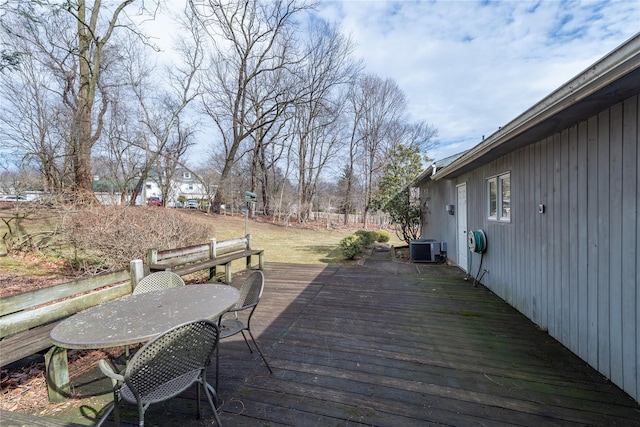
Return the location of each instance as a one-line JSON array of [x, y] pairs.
[[182, 350], [250, 291], [158, 280]]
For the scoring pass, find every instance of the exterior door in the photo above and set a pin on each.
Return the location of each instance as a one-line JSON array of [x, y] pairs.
[[461, 215]]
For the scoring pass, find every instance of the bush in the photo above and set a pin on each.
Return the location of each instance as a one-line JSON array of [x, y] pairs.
[[368, 237], [383, 236], [106, 238], [352, 246]]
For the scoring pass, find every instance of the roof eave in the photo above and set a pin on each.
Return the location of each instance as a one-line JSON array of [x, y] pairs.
[[620, 62]]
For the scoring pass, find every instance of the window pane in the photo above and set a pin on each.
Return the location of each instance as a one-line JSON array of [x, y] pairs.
[[505, 186], [493, 198]]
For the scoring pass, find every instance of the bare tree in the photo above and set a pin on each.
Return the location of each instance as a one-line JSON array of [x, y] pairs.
[[354, 115], [268, 150], [209, 180], [252, 40], [326, 73], [94, 30], [380, 103], [10, 57], [119, 156], [31, 120], [72, 42], [168, 132], [379, 125], [266, 145]]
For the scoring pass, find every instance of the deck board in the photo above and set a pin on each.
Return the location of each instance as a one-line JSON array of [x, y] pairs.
[[353, 345], [414, 349]]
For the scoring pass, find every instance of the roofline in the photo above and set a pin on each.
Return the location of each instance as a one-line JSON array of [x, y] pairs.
[[435, 166], [614, 65]]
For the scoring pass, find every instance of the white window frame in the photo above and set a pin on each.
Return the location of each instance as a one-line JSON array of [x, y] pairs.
[[497, 182], [492, 182]]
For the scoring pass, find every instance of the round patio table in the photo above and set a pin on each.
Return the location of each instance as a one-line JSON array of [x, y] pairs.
[[138, 318]]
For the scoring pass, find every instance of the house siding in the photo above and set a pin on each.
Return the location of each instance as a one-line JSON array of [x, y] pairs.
[[440, 226], [572, 270]]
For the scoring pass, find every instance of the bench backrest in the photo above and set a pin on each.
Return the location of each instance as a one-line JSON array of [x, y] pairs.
[[27, 318], [229, 246], [23, 311], [198, 252]]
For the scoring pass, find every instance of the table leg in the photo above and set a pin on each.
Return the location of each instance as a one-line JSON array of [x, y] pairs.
[[57, 374], [227, 272]]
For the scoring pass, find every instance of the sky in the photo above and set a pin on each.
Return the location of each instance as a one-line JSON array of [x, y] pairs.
[[470, 67]]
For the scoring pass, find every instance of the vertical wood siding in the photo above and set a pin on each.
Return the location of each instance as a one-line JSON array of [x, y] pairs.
[[440, 225], [573, 270]]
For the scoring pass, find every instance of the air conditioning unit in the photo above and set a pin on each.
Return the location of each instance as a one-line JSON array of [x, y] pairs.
[[427, 250]]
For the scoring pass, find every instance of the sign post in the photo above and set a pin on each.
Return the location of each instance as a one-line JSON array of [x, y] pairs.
[[250, 198]]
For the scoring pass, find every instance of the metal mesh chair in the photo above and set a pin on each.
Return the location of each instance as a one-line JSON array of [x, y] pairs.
[[250, 294], [158, 280], [155, 282], [165, 367]]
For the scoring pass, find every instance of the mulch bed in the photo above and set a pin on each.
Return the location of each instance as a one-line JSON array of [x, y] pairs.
[[24, 388]]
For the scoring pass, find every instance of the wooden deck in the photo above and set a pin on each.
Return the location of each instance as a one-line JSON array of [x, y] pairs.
[[406, 347]]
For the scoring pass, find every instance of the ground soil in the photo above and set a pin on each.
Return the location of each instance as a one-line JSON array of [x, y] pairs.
[[13, 283]]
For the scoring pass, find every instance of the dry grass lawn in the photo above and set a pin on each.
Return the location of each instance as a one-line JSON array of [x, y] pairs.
[[310, 243]]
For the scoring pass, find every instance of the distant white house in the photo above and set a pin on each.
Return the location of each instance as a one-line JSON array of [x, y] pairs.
[[187, 186], [183, 185]]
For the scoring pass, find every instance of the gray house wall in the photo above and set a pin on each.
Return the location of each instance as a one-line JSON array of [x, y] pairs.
[[574, 269], [436, 223]]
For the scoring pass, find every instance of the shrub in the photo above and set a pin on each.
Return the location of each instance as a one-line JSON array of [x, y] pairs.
[[108, 237], [383, 236], [368, 237], [352, 246]]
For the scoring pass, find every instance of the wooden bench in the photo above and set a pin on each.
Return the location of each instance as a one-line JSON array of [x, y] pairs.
[[27, 319], [206, 256], [21, 345]]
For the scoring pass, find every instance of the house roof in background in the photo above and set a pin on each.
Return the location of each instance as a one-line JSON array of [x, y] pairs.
[[607, 82], [436, 166]]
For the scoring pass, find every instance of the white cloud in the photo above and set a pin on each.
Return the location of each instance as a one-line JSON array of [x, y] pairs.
[[468, 67]]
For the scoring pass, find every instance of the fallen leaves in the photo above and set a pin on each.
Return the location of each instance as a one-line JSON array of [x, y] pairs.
[[25, 389]]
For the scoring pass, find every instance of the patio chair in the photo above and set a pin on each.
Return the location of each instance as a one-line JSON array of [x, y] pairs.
[[155, 282], [158, 280], [165, 367], [240, 321]]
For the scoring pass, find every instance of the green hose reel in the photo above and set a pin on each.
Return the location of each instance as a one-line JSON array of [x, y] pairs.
[[477, 241]]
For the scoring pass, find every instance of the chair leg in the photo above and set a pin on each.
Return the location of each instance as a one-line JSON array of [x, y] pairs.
[[116, 407], [259, 351], [217, 364], [212, 391], [246, 341], [209, 390], [106, 414], [198, 400], [141, 409]]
